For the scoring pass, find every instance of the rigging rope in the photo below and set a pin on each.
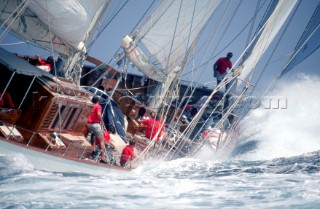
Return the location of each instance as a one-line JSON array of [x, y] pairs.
[[244, 112], [226, 46], [277, 78], [112, 17], [15, 14]]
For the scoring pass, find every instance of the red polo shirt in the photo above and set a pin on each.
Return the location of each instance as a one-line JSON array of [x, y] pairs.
[[222, 65], [152, 127], [127, 154], [93, 117]]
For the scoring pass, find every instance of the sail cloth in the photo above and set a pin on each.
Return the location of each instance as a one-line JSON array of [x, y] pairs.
[[308, 43], [171, 30], [272, 27], [140, 60], [67, 23], [265, 18]]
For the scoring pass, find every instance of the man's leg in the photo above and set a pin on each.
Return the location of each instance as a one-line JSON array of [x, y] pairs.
[[101, 140], [99, 135], [220, 77]]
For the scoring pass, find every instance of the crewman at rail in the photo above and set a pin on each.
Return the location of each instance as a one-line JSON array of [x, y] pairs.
[[128, 153]]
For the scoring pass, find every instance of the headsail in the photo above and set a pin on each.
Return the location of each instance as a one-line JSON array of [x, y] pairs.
[[272, 27], [233, 83], [266, 16], [308, 43]]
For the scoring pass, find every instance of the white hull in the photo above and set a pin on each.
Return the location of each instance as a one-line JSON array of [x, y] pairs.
[[47, 162]]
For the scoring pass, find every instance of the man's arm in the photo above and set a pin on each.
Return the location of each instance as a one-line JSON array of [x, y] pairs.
[[135, 123]]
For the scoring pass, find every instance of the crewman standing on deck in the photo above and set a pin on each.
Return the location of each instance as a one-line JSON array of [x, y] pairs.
[[220, 67], [94, 125]]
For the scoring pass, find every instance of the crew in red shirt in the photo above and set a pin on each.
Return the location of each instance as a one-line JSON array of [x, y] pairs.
[[220, 67], [127, 153], [152, 127], [94, 125], [45, 65]]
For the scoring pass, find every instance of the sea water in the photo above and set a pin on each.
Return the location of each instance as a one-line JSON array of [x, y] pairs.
[[276, 165]]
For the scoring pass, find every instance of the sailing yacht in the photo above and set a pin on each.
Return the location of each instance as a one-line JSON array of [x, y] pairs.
[[46, 125]]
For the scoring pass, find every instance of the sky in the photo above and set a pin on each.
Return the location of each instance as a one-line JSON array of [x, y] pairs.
[[106, 46], [109, 41]]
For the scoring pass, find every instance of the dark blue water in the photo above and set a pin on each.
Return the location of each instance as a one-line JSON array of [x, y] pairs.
[[292, 182]]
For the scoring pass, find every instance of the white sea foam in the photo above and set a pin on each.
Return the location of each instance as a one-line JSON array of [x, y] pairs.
[[290, 130]]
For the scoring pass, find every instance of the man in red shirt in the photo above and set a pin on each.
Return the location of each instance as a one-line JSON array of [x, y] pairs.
[[94, 125], [127, 153], [154, 127], [45, 65], [220, 67]]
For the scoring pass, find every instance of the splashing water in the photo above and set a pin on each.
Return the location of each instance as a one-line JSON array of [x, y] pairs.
[[290, 128]]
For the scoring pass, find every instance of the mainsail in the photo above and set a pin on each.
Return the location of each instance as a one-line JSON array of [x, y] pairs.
[[266, 16], [65, 24], [168, 34], [172, 29], [67, 27]]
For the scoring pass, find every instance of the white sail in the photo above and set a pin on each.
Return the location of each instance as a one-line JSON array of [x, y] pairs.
[[140, 60], [263, 21], [66, 23], [272, 27], [308, 43], [171, 31]]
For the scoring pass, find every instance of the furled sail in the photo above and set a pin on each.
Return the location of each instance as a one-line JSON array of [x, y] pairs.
[[168, 34], [68, 24], [308, 43], [272, 27], [140, 60]]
